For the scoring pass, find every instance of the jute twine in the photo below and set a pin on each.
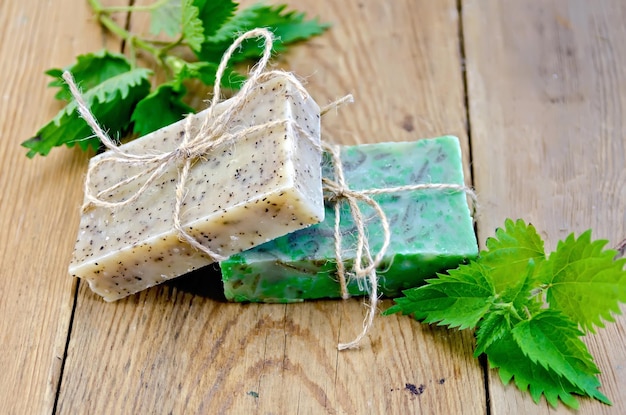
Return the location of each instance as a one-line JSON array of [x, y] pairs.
[[215, 131]]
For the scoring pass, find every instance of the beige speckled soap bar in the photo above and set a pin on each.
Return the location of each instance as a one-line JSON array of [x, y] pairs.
[[242, 194]]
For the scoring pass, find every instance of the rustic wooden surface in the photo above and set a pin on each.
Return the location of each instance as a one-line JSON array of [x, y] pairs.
[[539, 112]]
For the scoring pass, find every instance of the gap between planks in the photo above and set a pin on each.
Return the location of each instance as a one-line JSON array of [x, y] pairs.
[[76, 285]]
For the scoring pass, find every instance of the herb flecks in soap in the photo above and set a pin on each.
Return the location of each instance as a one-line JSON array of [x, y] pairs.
[[530, 310], [118, 91]]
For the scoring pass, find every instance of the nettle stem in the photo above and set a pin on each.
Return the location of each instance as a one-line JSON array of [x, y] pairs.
[[511, 309], [99, 8], [159, 53]]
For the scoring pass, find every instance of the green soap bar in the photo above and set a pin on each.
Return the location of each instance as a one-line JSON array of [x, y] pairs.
[[432, 229]]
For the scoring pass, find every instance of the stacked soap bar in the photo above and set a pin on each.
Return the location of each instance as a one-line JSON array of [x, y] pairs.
[[431, 229], [240, 195]]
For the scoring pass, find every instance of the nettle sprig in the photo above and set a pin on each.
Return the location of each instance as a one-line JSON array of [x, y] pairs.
[[530, 310], [119, 92]]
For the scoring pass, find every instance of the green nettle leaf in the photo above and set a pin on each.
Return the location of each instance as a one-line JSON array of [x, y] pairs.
[[288, 27], [434, 306], [501, 294], [205, 72], [586, 283], [110, 101], [459, 299], [508, 254], [238, 23], [520, 296], [166, 18], [214, 14], [89, 70], [553, 342], [506, 356], [160, 108], [193, 31], [492, 328]]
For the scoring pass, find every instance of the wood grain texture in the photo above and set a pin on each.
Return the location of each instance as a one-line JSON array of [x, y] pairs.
[[38, 201], [547, 96], [169, 351], [546, 101], [396, 59]]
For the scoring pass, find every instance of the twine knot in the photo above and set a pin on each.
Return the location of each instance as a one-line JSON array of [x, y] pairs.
[[184, 153], [335, 192]]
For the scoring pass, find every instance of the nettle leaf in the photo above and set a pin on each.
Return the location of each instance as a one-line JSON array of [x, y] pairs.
[[500, 294], [214, 14], [162, 107], [193, 31], [553, 342], [238, 23], [287, 26], [175, 17], [520, 296], [512, 364], [459, 299], [89, 70], [167, 18], [508, 255], [587, 283], [111, 102], [507, 310], [216, 44], [205, 72], [491, 329]]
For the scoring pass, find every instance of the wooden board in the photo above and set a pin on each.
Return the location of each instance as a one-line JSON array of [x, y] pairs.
[[38, 201], [181, 353], [546, 85]]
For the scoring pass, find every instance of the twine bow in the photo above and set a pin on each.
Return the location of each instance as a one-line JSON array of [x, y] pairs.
[[365, 263], [214, 132]]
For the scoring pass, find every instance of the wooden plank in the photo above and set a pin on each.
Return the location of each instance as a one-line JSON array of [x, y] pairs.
[[38, 200], [176, 350], [400, 61], [547, 89]]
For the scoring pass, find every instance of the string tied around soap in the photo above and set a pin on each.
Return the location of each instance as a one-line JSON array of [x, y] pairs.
[[366, 263], [213, 133]]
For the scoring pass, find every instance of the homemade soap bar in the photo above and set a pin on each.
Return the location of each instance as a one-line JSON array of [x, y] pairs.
[[242, 194], [431, 229]]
